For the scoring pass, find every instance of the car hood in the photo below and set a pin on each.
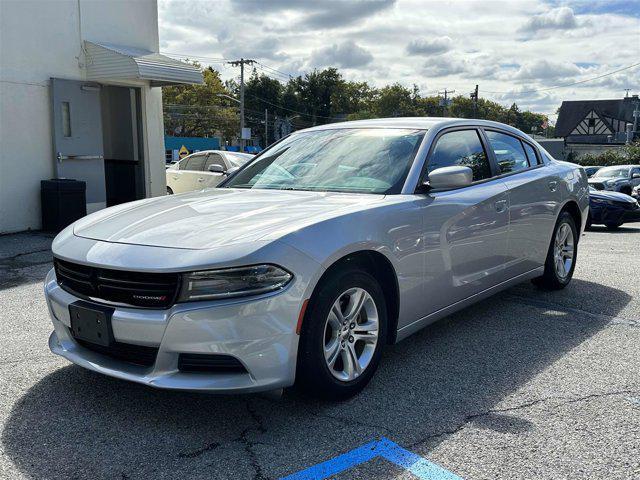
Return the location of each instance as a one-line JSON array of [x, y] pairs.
[[605, 179], [614, 196], [216, 217]]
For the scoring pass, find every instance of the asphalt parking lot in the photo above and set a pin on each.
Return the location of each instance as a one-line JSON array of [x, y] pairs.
[[528, 384]]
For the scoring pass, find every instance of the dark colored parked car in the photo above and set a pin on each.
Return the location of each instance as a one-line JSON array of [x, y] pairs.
[[619, 178], [611, 208]]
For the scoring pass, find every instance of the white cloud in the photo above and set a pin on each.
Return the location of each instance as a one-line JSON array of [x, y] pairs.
[[427, 47], [547, 70], [347, 54], [502, 46], [561, 18]]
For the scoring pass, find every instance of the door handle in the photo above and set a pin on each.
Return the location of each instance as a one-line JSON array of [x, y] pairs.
[[553, 186], [201, 180], [501, 206], [175, 177]]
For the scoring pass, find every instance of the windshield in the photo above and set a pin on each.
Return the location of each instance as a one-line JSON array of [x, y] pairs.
[[617, 172], [359, 160]]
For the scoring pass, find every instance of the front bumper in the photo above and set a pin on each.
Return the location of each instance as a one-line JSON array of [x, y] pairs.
[[259, 332]]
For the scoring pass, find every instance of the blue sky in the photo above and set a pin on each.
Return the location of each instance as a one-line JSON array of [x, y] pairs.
[[620, 7], [506, 47]]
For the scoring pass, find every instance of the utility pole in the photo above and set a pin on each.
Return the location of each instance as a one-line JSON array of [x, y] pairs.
[[474, 97], [241, 63], [636, 115], [266, 128], [445, 104]]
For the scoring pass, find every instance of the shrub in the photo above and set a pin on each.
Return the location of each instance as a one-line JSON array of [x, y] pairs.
[[628, 154]]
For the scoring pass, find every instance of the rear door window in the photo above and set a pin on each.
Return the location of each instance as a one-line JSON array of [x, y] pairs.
[[463, 148], [509, 152], [532, 156], [195, 163]]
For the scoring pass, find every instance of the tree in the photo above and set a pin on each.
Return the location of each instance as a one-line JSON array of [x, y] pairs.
[[320, 96], [393, 101], [197, 111]]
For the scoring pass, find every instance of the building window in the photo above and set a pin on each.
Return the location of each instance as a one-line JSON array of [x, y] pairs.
[[592, 122], [66, 120]]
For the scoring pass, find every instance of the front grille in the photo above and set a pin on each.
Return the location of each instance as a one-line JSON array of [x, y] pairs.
[[209, 363], [597, 186], [127, 352], [151, 290]]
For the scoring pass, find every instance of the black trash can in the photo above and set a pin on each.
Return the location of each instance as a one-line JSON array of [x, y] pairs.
[[63, 202]]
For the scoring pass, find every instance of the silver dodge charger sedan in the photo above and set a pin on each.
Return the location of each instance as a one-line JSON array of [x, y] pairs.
[[331, 243]]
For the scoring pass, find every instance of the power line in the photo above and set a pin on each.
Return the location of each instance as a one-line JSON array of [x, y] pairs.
[[567, 84], [184, 55], [288, 75], [292, 110]]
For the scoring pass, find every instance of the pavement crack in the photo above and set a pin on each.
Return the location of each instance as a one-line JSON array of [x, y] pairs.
[[563, 401], [258, 426], [200, 451], [23, 254]]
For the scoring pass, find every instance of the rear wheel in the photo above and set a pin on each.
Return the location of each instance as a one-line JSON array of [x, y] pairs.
[[342, 335], [562, 254], [169, 191]]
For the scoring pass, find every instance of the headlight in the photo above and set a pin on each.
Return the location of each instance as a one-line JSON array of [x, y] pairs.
[[233, 282], [608, 183]]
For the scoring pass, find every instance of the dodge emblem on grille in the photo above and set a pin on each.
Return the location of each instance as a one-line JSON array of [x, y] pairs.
[[155, 298]]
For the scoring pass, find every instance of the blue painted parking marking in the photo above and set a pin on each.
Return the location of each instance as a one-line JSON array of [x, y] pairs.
[[384, 448]]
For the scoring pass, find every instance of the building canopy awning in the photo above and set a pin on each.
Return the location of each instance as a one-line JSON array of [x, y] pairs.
[[106, 61]]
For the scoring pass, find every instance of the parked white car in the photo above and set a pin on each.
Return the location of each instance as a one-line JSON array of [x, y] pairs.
[[203, 169]]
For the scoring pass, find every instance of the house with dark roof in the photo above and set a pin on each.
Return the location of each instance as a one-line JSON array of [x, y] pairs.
[[596, 122]]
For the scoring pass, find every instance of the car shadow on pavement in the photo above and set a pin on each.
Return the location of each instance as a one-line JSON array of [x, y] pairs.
[[75, 423], [626, 228]]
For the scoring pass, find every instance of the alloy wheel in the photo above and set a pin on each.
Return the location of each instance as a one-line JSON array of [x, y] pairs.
[[351, 334], [563, 250]]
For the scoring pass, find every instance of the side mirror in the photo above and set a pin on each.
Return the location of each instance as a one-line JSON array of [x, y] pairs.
[[214, 168], [635, 175], [449, 177]]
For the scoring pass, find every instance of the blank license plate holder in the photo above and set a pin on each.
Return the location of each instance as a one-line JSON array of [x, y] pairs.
[[91, 323]]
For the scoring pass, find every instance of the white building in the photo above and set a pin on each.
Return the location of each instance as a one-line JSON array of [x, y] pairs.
[[80, 98]]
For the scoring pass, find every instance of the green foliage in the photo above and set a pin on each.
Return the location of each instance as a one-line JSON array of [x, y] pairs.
[[628, 154], [197, 111], [320, 96]]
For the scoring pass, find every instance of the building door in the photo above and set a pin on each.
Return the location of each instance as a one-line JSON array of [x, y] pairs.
[[77, 137]]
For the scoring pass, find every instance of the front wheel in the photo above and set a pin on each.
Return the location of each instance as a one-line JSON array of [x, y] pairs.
[[562, 254], [342, 336]]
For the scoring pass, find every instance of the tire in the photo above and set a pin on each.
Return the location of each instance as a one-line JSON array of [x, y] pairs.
[[169, 191], [613, 226], [321, 330], [552, 279]]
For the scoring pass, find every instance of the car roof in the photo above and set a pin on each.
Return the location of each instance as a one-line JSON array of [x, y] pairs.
[[424, 123]]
